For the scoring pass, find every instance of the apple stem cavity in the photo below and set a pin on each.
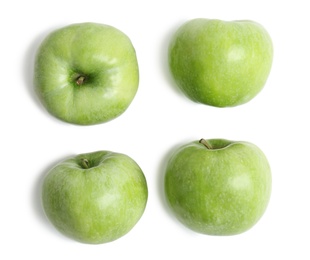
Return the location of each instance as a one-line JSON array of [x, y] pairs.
[[205, 143], [84, 163]]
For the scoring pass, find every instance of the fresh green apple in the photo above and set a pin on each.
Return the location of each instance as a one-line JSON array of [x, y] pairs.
[[86, 73], [220, 63], [218, 187], [95, 197]]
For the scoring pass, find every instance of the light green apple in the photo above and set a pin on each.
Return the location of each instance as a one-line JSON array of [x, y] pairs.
[[220, 63], [86, 73], [95, 197], [217, 186]]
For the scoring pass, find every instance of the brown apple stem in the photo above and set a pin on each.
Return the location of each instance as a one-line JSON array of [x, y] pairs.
[[80, 80], [205, 143], [85, 163]]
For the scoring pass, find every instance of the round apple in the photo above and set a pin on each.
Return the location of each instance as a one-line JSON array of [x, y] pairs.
[[220, 63], [95, 197], [218, 187], [86, 73]]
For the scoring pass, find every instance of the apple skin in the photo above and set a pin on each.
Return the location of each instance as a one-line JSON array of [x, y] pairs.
[[220, 190], [95, 197], [220, 63], [86, 73]]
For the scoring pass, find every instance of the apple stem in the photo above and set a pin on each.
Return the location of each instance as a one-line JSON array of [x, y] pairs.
[[80, 80], [85, 163], [205, 143]]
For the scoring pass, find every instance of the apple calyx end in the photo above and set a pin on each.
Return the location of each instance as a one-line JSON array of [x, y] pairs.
[[205, 143], [80, 80]]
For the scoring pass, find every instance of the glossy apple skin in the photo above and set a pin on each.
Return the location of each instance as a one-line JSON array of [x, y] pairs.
[[220, 191], [219, 63], [98, 204], [107, 60]]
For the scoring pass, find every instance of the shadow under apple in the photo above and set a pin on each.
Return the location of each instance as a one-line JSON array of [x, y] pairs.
[[28, 65], [36, 194], [163, 56], [161, 178]]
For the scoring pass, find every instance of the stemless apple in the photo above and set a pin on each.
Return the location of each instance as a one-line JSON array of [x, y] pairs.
[[219, 63], [86, 73], [218, 187], [95, 197]]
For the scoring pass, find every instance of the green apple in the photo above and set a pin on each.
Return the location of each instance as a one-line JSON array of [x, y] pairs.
[[217, 186], [220, 63], [95, 197], [86, 73]]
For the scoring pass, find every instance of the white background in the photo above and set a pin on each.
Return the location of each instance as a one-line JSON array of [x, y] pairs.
[[159, 119]]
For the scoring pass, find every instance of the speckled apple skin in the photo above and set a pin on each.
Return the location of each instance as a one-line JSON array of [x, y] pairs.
[[220, 63], [95, 205], [101, 53], [220, 191]]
